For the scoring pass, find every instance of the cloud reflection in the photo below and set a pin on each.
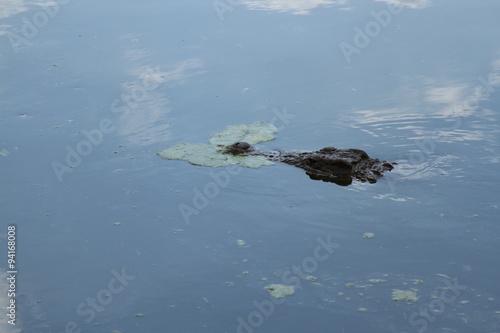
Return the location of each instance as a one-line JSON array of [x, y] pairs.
[[441, 112], [447, 94], [296, 7], [147, 103], [304, 7], [415, 4], [10, 8], [436, 113]]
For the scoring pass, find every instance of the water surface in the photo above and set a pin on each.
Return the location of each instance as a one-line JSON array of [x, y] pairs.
[[113, 238]]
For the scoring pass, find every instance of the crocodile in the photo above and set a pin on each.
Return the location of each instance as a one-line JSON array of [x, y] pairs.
[[334, 165]]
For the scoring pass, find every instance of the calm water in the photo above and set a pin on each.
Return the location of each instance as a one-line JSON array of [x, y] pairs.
[[112, 238]]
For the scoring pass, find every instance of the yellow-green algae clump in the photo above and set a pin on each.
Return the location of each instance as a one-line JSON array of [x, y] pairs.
[[280, 290], [211, 154], [255, 133], [404, 295]]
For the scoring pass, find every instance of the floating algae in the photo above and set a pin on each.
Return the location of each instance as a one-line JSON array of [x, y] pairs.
[[280, 290], [417, 282], [404, 295], [368, 235], [252, 134], [211, 154]]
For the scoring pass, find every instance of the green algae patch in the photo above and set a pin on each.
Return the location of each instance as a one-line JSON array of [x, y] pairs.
[[196, 153], [280, 290], [404, 295], [212, 155], [255, 133], [368, 235]]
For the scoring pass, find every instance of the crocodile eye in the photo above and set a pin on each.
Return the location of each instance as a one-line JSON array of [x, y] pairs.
[[242, 145]]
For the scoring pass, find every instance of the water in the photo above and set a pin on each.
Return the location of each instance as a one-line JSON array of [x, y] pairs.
[[112, 238]]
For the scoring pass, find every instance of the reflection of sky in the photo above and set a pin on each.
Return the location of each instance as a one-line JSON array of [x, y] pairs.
[[446, 103], [435, 113], [410, 84], [416, 4], [304, 7], [12, 7], [147, 103], [297, 7]]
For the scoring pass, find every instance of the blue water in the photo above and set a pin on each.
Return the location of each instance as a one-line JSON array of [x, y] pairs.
[[110, 237]]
